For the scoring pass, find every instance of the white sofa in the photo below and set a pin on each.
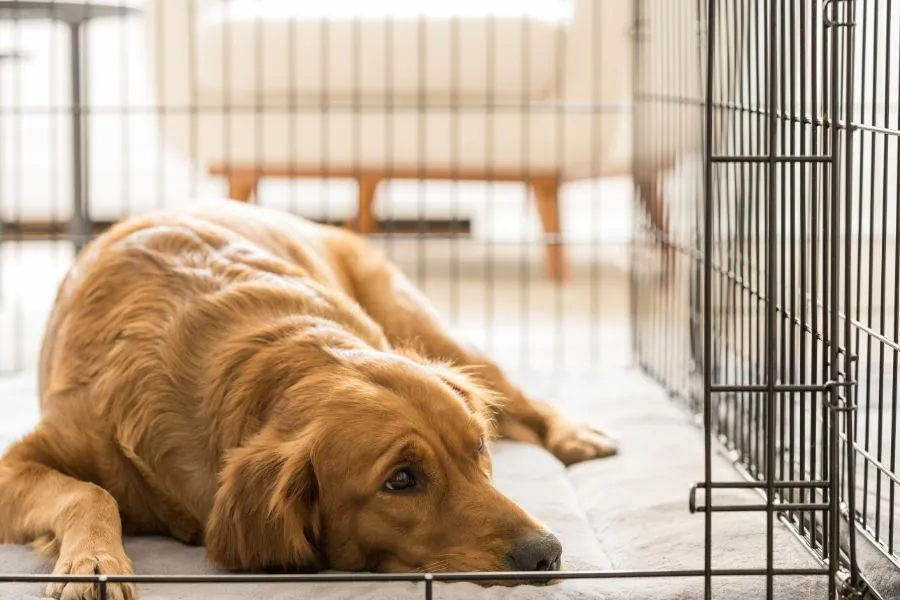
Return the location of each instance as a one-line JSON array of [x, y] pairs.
[[533, 91]]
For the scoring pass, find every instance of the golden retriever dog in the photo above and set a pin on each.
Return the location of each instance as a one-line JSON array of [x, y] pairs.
[[277, 391]]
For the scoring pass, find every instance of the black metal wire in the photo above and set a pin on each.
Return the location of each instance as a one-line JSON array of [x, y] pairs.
[[708, 217], [534, 576]]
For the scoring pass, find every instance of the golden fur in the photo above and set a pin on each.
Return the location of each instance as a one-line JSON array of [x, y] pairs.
[[240, 378]]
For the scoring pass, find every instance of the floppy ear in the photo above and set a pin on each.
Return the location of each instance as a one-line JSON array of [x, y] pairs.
[[478, 397], [263, 515]]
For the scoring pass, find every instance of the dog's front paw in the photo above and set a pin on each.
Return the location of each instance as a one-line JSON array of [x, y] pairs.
[[92, 563], [575, 442]]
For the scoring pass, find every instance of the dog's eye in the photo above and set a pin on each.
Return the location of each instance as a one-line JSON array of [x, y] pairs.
[[401, 481], [480, 445]]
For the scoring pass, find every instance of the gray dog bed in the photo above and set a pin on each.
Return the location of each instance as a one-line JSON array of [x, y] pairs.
[[627, 512]]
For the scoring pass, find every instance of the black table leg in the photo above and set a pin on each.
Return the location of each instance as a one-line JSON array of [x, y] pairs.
[[79, 224]]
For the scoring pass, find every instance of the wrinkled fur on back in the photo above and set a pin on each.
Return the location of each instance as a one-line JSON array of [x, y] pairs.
[[236, 377]]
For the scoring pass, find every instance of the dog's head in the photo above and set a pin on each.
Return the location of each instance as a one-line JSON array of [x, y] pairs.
[[377, 463]]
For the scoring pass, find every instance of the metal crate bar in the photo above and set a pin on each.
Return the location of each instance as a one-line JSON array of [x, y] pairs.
[[771, 159], [396, 577]]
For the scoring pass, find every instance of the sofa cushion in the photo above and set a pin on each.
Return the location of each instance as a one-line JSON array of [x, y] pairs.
[[467, 50]]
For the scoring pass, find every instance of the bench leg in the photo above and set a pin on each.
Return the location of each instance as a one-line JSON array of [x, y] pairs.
[[365, 221], [242, 185], [546, 195]]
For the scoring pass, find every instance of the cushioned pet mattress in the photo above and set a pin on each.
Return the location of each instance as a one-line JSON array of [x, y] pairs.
[[627, 512]]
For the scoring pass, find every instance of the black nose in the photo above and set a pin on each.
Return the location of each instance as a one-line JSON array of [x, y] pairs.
[[537, 552]]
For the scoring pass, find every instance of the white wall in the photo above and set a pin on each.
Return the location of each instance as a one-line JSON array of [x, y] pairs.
[[132, 170]]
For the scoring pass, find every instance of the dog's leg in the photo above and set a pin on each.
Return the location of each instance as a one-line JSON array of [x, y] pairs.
[[78, 521], [407, 317]]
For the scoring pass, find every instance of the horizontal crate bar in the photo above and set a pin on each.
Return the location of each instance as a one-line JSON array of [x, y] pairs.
[[777, 507], [396, 577], [876, 129], [755, 158], [874, 462], [762, 484], [756, 388], [320, 108]]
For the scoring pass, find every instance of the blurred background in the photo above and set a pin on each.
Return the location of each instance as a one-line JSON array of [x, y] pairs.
[[444, 121]]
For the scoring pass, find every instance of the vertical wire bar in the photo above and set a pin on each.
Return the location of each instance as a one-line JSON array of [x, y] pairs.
[[707, 294], [633, 284], [525, 116], [896, 336], [192, 109], [756, 299], [75, 57], [692, 241], [429, 585], [596, 131], [325, 113], [671, 257], [490, 142], [390, 124], [356, 137], [722, 235], [848, 298], [781, 247], [688, 261], [455, 231], [771, 297], [658, 302], [734, 206], [101, 582], [258, 140], [882, 326], [165, 114], [292, 110], [54, 132], [828, 199], [86, 118], [4, 242], [19, 328], [125, 112], [753, 261], [662, 303], [557, 241], [743, 223], [801, 442], [676, 61], [670, 300], [726, 287], [18, 323], [884, 200], [792, 278], [833, 303], [676, 306], [227, 96], [421, 102], [814, 263], [871, 255]]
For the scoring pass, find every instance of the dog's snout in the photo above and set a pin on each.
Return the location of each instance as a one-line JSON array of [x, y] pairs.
[[537, 552]]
